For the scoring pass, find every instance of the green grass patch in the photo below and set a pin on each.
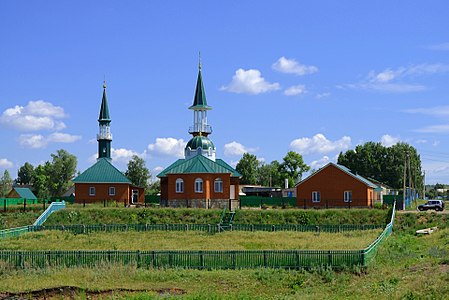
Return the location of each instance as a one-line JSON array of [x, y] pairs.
[[79, 215], [190, 240], [16, 218]]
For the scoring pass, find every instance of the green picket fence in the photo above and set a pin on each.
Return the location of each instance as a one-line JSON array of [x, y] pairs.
[[223, 259], [209, 228], [258, 201]]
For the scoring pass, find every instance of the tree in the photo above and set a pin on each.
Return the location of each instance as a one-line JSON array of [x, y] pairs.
[[41, 180], [25, 174], [293, 167], [385, 164], [270, 174], [61, 170], [5, 184], [154, 188], [137, 172], [248, 166]]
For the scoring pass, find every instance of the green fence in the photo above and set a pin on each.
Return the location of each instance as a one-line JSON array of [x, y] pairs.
[[152, 199], [257, 201], [198, 259], [209, 228]]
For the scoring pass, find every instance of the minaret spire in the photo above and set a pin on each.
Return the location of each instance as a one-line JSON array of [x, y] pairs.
[[104, 137]]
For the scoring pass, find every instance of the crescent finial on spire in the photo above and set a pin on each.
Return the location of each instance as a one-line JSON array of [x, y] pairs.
[[199, 60]]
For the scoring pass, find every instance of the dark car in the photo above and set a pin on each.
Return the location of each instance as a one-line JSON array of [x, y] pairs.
[[437, 205]]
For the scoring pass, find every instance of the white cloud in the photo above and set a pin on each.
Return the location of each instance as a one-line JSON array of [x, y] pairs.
[[438, 111], [236, 149], [157, 170], [249, 82], [295, 90], [59, 137], [5, 163], [123, 155], [388, 140], [435, 129], [291, 66], [319, 144], [167, 147], [316, 164], [36, 115], [387, 87], [322, 95], [439, 47], [36, 141]]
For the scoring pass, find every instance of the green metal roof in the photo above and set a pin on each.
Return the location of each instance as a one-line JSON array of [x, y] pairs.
[[104, 110], [199, 164], [200, 141], [200, 102], [25, 193], [102, 172]]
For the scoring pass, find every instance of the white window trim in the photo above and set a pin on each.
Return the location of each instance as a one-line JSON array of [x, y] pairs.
[[179, 183], [218, 181], [112, 188], [316, 197], [345, 198], [92, 191], [197, 181]]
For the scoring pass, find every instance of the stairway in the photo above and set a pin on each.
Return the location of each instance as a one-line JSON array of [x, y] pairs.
[[226, 219]]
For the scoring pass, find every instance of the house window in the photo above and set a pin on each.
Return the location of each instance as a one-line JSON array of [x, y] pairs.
[[179, 185], [316, 197], [112, 191], [92, 191], [198, 185], [348, 196], [218, 185]]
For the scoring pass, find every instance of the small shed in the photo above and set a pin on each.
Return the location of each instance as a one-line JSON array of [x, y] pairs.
[[21, 193]]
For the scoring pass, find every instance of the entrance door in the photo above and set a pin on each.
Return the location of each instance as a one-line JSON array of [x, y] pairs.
[[232, 192], [135, 196]]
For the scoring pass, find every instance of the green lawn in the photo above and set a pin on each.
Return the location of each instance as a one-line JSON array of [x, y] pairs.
[[190, 240]]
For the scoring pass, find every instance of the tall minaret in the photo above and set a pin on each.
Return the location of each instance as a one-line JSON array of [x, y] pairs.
[[104, 137], [200, 143], [200, 109]]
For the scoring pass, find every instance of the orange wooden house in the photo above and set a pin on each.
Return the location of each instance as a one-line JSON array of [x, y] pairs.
[[335, 186]]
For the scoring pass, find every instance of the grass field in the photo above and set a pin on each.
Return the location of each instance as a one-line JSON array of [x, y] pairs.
[[406, 267], [190, 240]]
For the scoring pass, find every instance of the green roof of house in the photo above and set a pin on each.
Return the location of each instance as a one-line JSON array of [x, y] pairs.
[[102, 172], [200, 141], [25, 193], [199, 164], [104, 110], [199, 101]]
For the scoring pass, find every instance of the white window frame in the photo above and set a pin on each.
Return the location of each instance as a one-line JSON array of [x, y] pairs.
[[347, 196], [92, 191], [179, 185], [316, 197], [218, 185], [198, 185], [112, 191]]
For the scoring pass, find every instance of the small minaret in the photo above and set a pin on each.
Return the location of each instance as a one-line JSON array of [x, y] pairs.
[[200, 108], [104, 137], [200, 144]]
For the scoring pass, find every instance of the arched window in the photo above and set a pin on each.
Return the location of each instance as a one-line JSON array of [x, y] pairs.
[[198, 185], [218, 185], [179, 185]]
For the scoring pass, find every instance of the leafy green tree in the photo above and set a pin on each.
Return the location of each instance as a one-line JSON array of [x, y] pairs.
[[137, 172], [385, 164], [41, 180], [270, 174], [293, 167], [25, 174], [62, 169], [248, 166], [5, 184], [154, 188]]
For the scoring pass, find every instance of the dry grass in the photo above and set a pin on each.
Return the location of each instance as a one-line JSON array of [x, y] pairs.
[[190, 240]]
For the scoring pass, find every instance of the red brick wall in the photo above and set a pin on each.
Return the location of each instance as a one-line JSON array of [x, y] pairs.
[[122, 192], [332, 182], [189, 187]]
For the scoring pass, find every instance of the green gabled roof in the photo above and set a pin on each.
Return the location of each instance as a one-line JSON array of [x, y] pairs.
[[104, 110], [198, 164], [25, 193], [200, 102], [102, 172]]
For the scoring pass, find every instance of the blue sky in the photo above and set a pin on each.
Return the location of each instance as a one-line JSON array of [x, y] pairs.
[[316, 77]]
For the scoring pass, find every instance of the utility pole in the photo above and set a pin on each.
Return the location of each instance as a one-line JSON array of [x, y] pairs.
[[424, 185], [405, 173]]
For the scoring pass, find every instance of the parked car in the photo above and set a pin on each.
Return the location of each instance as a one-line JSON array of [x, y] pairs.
[[437, 205]]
